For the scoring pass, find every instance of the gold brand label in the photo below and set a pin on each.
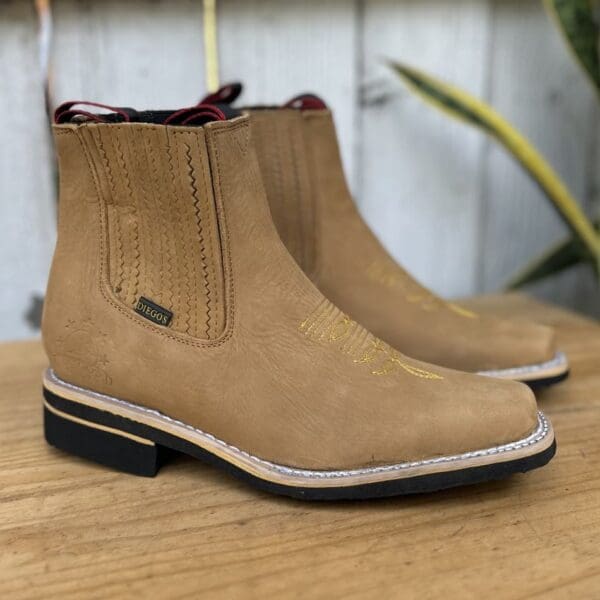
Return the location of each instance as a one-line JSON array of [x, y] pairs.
[[153, 312]]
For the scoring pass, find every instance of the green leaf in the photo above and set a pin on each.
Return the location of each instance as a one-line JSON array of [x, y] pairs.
[[576, 20], [566, 254], [461, 105]]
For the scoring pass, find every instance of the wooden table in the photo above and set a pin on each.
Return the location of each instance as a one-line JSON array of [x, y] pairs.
[[71, 529]]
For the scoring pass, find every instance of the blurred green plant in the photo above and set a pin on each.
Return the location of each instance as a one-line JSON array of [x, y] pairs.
[[578, 22]]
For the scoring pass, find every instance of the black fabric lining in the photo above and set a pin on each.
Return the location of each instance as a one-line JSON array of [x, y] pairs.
[[156, 117]]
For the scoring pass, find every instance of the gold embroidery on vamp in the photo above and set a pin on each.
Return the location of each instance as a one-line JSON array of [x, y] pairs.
[[327, 324], [413, 293], [462, 311]]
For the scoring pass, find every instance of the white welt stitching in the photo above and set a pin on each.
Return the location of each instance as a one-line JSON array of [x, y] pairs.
[[539, 434], [558, 360]]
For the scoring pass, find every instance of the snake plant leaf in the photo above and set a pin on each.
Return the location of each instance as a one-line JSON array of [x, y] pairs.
[[577, 22], [565, 254], [464, 106]]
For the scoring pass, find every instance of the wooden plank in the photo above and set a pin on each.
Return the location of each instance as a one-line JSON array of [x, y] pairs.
[[139, 53], [27, 214], [421, 171], [70, 529], [151, 54], [110, 52], [540, 89], [280, 49]]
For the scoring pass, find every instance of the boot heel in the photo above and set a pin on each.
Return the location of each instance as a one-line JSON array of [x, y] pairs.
[[105, 445]]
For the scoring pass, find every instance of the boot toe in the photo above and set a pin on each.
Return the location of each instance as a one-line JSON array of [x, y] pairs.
[[510, 411], [488, 413], [538, 344], [515, 344]]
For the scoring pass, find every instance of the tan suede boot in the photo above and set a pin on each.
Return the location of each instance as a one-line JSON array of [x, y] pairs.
[[321, 227], [175, 318]]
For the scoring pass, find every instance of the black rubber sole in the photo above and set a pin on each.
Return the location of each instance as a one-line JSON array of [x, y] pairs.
[[131, 456], [548, 381]]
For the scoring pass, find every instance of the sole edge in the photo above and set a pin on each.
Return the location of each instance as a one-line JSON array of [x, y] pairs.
[[442, 475]]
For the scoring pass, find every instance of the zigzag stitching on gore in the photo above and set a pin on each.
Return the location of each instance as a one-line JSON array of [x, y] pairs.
[[172, 173], [558, 360], [111, 182], [275, 158], [185, 297], [297, 201], [164, 235], [158, 284], [145, 210], [135, 239], [214, 251], [536, 436], [203, 262]]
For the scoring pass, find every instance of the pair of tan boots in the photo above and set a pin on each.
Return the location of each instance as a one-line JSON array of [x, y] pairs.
[[215, 292]]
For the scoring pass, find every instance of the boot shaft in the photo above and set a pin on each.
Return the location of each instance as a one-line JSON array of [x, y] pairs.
[[279, 137], [150, 214], [305, 184]]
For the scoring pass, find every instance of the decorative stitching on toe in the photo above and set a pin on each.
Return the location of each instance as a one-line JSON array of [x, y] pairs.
[[328, 324]]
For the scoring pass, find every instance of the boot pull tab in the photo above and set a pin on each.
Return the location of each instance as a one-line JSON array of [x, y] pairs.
[[306, 102], [196, 115], [66, 111], [227, 94]]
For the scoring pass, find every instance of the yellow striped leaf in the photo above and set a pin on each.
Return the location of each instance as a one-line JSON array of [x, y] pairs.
[[464, 106]]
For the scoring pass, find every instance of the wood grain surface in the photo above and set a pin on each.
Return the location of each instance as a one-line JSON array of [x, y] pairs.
[[70, 529]]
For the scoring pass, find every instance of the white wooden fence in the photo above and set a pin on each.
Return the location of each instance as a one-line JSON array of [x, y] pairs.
[[448, 203]]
